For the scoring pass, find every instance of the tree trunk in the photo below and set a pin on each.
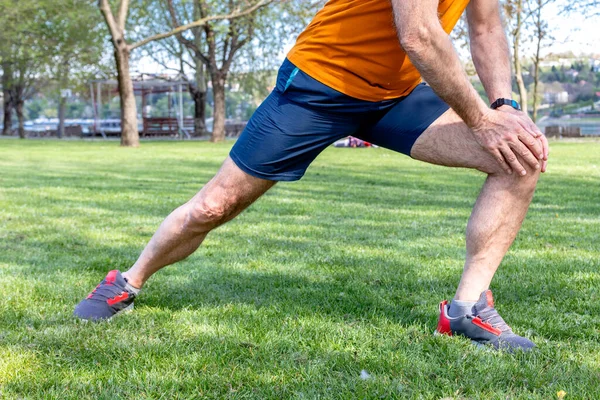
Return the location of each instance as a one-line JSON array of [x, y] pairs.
[[62, 105], [130, 136], [20, 104], [198, 93], [7, 99], [8, 106], [536, 61], [536, 82], [199, 98], [516, 55], [218, 133]]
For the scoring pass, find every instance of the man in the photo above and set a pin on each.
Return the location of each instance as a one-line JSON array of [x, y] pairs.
[[356, 70]]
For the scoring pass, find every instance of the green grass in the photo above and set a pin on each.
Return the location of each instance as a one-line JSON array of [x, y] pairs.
[[321, 279]]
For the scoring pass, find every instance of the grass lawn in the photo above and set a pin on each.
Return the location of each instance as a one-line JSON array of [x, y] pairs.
[[318, 281]]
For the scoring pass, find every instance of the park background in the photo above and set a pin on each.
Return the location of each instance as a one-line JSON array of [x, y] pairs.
[[116, 112], [66, 70]]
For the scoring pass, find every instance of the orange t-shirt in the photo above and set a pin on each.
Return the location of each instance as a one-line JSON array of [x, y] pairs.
[[352, 46]]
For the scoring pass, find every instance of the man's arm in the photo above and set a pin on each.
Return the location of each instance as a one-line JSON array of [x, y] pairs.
[[430, 50], [491, 57], [489, 48]]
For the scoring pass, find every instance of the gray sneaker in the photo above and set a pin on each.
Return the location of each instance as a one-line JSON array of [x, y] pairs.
[[111, 296], [484, 326]]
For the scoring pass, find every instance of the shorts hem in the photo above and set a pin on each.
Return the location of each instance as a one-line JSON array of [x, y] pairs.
[[283, 177]]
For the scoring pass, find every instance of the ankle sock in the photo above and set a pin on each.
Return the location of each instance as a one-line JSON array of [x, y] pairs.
[[132, 288], [459, 308]]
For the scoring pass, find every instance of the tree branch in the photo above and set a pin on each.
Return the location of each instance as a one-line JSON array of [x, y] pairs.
[[165, 66], [190, 45], [231, 36], [110, 19], [193, 49], [122, 14], [201, 22], [227, 63], [172, 13], [238, 44]]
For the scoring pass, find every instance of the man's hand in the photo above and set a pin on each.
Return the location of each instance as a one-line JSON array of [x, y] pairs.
[[505, 132], [532, 128], [510, 134]]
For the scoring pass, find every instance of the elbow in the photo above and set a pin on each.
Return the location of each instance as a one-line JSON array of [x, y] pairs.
[[415, 38], [482, 32]]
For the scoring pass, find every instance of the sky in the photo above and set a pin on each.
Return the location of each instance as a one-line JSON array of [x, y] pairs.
[[573, 32]]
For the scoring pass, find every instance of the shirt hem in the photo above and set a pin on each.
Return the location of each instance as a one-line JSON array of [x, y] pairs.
[[335, 83]]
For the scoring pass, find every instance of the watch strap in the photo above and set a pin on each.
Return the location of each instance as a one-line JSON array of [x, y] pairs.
[[508, 102]]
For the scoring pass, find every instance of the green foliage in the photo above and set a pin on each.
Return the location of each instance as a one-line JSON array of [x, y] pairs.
[[37, 108], [239, 105], [317, 281], [23, 40], [48, 46], [42, 106], [271, 28], [276, 26], [78, 42], [68, 28]]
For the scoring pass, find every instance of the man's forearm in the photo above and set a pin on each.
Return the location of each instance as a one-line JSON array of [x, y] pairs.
[[431, 52], [491, 57], [506, 136]]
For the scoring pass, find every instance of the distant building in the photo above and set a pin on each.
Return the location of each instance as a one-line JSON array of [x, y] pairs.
[[556, 97], [561, 98], [567, 62], [571, 73], [561, 62]]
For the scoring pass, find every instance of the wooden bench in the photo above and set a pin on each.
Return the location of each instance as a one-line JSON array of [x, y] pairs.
[[165, 126]]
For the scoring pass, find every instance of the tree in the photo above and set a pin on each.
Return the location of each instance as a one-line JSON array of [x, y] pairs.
[[540, 33], [8, 33], [30, 28], [122, 52], [527, 16], [223, 40], [167, 50], [514, 10], [77, 45], [8, 102], [22, 54], [197, 86], [23, 87], [219, 44]]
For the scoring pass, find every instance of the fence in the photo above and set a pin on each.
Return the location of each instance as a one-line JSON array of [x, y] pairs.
[[571, 127]]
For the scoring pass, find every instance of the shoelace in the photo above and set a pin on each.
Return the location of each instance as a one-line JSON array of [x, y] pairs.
[[491, 316], [106, 291]]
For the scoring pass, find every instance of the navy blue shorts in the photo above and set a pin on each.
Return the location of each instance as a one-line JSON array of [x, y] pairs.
[[302, 116]]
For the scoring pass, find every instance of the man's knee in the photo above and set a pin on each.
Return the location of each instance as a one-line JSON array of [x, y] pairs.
[[524, 184], [206, 212]]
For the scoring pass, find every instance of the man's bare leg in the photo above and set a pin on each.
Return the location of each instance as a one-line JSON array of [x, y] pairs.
[[182, 232], [500, 209]]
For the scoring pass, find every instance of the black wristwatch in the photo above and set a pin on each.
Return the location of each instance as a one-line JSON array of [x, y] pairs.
[[509, 102]]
